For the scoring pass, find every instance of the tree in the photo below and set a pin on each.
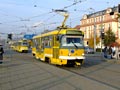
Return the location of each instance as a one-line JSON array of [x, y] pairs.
[[91, 41], [118, 16], [109, 37]]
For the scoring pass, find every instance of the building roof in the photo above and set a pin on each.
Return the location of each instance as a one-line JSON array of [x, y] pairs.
[[102, 12], [77, 27]]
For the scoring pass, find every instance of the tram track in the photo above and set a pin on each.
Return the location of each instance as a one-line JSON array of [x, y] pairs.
[[88, 72], [89, 68]]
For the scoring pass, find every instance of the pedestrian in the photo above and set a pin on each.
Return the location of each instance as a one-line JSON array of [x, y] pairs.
[[114, 49], [105, 52], [1, 53], [118, 53], [114, 52], [110, 52]]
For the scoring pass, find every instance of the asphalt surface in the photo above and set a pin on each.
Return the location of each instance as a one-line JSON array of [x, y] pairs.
[[20, 71]]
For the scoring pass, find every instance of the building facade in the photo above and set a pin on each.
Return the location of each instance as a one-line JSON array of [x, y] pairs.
[[101, 21]]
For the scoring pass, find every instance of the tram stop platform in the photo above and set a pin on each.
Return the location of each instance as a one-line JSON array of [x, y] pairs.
[[36, 75]]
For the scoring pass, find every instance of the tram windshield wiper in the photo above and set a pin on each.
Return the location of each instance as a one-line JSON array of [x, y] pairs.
[[74, 44]]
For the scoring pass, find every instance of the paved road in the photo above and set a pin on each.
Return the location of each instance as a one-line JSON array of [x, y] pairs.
[[20, 71], [95, 68]]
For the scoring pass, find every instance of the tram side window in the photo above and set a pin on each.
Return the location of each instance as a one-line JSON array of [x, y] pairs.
[[19, 43], [34, 43], [37, 43], [47, 41]]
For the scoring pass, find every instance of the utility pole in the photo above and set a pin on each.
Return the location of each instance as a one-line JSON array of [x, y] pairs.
[[102, 34], [118, 19], [94, 32], [102, 30], [70, 23], [118, 57]]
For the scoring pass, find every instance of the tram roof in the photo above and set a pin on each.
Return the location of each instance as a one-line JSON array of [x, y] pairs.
[[61, 31]]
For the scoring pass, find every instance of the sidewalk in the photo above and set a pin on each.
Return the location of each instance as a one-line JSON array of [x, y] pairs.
[[117, 61], [36, 75], [112, 61]]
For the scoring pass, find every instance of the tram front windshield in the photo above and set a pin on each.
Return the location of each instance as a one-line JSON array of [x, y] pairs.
[[24, 44], [72, 41]]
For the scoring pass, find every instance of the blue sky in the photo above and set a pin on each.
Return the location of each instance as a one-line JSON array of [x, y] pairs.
[[19, 16]]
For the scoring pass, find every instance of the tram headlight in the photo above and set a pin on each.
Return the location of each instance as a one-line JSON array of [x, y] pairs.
[[69, 54], [83, 54]]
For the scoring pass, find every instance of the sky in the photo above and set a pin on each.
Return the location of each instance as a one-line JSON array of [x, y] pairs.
[[35, 16]]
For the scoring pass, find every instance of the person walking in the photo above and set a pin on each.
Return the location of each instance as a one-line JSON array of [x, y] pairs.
[[1, 53]]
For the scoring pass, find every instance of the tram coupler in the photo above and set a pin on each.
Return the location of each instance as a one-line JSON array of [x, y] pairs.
[[77, 63]]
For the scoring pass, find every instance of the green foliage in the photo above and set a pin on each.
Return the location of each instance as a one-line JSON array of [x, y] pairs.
[[109, 37], [118, 16]]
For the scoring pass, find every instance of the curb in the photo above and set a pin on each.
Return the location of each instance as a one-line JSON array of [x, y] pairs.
[[112, 60]]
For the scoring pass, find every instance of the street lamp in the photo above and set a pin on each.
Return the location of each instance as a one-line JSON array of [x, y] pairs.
[[94, 29]]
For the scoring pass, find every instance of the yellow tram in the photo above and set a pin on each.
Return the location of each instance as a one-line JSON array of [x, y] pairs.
[[63, 46], [20, 46]]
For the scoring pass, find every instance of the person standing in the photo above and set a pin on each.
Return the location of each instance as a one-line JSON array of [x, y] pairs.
[[118, 53], [110, 52], [114, 52], [105, 52], [1, 54]]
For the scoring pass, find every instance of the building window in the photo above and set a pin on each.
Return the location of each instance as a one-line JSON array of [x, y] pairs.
[[103, 18], [95, 19], [100, 19]]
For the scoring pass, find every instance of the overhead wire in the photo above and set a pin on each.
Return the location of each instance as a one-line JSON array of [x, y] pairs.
[[4, 13], [65, 7], [73, 4], [40, 15]]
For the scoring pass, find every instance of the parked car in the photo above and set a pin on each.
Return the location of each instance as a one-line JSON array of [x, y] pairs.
[[89, 50]]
